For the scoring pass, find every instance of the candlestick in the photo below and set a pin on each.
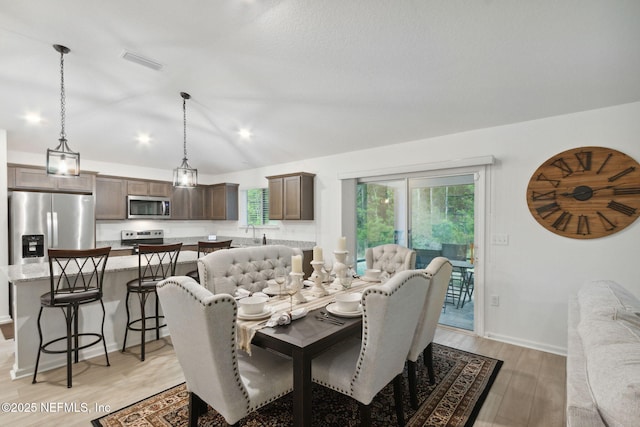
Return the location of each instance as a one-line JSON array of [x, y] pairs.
[[317, 275]]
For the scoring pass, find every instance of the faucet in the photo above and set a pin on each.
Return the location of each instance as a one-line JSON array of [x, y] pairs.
[[255, 240]]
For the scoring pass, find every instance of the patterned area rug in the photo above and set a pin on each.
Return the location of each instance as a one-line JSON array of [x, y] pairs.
[[462, 383]]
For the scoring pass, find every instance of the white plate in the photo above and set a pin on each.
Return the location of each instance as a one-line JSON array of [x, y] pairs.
[[270, 291], [266, 313], [333, 309]]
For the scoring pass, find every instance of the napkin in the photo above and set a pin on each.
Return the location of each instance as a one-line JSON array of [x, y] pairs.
[[243, 293], [284, 318]]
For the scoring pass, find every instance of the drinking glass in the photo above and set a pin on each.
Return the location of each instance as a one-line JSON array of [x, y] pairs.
[[280, 277]]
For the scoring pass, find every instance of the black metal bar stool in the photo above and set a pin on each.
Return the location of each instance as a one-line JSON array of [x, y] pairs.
[[206, 247], [76, 278], [155, 263]]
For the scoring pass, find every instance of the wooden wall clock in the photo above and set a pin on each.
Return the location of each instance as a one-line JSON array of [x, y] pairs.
[[585, 192]]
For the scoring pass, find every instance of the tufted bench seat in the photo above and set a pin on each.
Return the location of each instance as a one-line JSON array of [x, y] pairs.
[[391, 258], [248, 268]]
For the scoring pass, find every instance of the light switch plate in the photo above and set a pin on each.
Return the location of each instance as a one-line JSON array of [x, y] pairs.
[[500, 239]]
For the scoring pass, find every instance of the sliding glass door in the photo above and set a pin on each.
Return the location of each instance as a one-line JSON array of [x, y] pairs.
[[434, 215], [442, 223], [381, 213]]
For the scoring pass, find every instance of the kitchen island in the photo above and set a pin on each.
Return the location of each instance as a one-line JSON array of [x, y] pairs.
[[30, 281]]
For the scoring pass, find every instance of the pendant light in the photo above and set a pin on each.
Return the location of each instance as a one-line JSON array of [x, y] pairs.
[[61, 160], [184, 175]]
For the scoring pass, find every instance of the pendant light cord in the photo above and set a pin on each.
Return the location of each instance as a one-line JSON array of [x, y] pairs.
[[62, 96], [184, 115]]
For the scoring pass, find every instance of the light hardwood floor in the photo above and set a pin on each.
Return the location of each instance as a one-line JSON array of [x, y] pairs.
[[529, 390]]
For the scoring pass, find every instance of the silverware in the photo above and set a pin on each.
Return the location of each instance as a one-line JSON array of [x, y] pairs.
[[329, 320], [326, 316]]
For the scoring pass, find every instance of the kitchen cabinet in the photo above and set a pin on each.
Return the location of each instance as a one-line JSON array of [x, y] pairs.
[[111, 198], [36, 178], [291, 196], [189, 203], [136, 187], [222, 201]]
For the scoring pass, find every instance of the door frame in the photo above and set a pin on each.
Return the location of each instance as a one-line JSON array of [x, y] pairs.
[[478, 166]]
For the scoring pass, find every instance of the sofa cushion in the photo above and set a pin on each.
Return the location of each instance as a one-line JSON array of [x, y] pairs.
[[599, 297], [609, 329]]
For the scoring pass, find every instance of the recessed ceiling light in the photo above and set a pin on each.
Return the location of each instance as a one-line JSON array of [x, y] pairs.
[[143, 138], [245, 133], [34, 118]]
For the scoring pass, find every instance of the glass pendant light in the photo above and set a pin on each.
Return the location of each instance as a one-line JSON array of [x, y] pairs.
[[61, 160], [184, 175]]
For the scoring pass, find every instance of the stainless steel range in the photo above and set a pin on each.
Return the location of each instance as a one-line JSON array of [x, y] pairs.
[[134, 238]]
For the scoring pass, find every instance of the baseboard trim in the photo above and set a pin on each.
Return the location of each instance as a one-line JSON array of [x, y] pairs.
[[562, 351]]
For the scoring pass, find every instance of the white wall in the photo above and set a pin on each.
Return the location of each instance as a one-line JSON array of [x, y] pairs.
[[537, 271], [4, 231]]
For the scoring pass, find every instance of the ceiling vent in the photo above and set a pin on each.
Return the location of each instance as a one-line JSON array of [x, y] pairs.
[[141, 60]]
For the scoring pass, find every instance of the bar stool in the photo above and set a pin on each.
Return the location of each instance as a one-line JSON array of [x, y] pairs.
[[155, 263], [76, 279], [205, 248]]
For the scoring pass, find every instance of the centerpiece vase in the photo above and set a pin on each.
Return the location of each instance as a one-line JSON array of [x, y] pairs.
[[296, 284], [317, 276], [340, 268]]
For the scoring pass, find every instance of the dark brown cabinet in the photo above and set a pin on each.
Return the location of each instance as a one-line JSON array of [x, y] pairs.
[[111, 198], [222, 201], [148, 188], [291, 196], [36, 178], [189, 203]]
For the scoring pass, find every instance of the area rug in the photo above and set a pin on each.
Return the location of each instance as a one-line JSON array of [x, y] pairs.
[[462, 383], [7, 330]]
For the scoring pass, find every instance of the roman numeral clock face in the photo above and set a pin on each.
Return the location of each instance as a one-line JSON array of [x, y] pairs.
[[586, 192]]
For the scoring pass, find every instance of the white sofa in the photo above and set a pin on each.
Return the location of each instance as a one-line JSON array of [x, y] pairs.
[[248, 268], [603, 360]]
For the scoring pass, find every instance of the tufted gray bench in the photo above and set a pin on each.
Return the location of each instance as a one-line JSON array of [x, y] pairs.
[[248, 268]]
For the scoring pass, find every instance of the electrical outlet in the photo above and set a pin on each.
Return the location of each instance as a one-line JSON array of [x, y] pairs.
[[500, 239], [495, 300]]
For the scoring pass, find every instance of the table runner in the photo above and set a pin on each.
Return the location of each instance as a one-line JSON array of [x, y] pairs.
[[279, 303]]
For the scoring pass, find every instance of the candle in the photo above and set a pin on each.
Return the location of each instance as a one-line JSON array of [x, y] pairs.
[[342, 243], [317, 253], [296, 263]]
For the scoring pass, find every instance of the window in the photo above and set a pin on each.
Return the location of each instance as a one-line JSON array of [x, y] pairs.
[[257, 206]]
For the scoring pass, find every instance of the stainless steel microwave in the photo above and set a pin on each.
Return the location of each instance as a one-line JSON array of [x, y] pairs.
[[148, 207]]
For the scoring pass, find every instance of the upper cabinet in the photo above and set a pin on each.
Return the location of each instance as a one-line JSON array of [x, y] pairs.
[[291, 196], [111, 198], [222, 201], [137, 187], [35, 178], [189, 203]]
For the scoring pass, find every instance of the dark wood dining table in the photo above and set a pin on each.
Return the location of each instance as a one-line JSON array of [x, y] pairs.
[[302, 340]]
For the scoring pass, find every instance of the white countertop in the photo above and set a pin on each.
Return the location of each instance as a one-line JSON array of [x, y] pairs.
[[31, 272]]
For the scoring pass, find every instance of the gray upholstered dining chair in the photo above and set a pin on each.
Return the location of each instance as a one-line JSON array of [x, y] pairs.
[[439, 272], [203, 333], [360, 368], [390, 258]]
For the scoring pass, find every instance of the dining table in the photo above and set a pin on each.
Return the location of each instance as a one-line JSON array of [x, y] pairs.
[[303, 338]]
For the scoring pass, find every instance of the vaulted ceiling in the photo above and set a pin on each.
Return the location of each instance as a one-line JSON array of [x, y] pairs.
[[306, 77]]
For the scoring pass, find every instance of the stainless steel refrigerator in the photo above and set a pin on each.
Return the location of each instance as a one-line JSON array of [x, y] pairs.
[[39, 221]]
